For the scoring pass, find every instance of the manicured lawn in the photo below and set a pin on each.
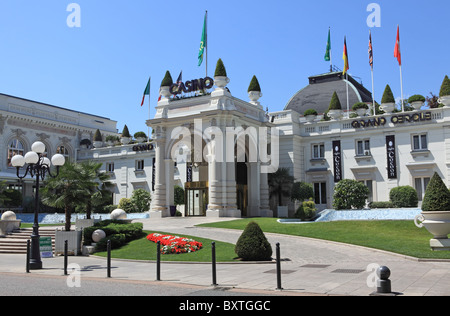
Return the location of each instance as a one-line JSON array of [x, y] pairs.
[[142, 249], [401, 237]]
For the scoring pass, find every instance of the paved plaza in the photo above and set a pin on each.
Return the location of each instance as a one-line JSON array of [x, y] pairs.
[[309, 266]]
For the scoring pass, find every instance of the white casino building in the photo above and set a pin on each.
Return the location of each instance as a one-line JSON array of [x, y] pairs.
[[221, 149]]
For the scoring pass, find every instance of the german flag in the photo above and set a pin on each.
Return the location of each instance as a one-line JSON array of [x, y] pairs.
[[345, 57]]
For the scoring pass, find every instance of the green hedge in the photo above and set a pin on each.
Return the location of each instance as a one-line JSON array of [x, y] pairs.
[[252, 245], [404, 196], [117, 231]]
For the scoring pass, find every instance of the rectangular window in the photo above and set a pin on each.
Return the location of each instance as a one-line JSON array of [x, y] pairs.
[[318, 151], [420, 184], [320, 193], [369, 185], [363, 147], [139, 164], [110, 167], [419, 142]]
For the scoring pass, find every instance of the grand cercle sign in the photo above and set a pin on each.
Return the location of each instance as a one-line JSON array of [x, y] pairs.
[[395, 119], [192, 85]]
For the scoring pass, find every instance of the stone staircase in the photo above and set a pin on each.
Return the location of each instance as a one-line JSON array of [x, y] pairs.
[[16, 242]]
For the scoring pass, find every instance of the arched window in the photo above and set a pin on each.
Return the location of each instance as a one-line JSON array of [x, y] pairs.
[[63, 150], [15, 147]]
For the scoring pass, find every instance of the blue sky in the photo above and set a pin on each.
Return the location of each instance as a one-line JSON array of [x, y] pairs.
[[103, 66]]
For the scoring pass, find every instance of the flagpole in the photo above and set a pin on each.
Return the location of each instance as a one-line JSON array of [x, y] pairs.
[[206, 40], [149, 107], [348, 102], [401, 88], [373, 95], [331, 62]]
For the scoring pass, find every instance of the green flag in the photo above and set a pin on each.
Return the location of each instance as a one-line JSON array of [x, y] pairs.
[[328, 52], [202, 44]]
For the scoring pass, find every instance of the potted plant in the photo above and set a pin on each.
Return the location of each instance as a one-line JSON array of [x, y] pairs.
[[280, 184], [165, 85], [85, 143], [388, 100], [335, 109], [111, 140], [140, 137], [435, 214], [310, 115], [98, 139], [416, 101], [220, 75], [126, 137], [360, 108], [444, 93], [254, 90]]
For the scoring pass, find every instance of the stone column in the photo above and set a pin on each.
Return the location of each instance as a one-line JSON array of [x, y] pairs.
[[159, 202]]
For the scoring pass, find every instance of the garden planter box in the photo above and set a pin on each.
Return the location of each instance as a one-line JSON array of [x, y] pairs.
[[74, 242]]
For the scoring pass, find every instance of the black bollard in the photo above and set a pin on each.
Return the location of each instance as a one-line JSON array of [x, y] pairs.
[[384, 284], [108, 247], [27, 265], [278, 267], [65, 256], [213, 256], [158, 261]]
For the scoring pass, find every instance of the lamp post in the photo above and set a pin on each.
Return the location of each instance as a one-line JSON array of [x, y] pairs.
[[37, 166]]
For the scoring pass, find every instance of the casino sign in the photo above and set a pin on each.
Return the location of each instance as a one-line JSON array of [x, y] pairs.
[[395, 119], [192, 85]]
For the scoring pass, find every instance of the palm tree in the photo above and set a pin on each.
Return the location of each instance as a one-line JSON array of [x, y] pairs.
[[66, 190], [280, 183], [97, 183]]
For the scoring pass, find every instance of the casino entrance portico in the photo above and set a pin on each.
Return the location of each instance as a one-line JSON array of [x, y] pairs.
[[219, 146]]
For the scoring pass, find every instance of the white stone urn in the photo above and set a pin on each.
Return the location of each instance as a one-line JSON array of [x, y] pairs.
[[335, 114], [388, 107], [417, 105], [165, 91], [310, 118], [445, 100], [361, 111], [97, 144], [436, 222], [125, 140], [254, 95], [221, 81]]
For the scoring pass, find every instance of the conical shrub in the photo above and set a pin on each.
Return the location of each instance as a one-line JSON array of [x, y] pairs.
[[437, 196], [252, 245]]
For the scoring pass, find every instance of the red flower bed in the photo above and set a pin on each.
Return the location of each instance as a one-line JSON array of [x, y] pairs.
[[175, 244]]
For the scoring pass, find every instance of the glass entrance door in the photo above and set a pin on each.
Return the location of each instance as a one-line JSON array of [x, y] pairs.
[[196, 198]]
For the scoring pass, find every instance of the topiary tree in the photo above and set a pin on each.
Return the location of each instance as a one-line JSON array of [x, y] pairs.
[[335, 104], [310, 112], [125, 132], [404, 196], [178, 193], [167, 80], [359, 105], [349, 194], [254, 85], [302, 191], [98, 136], [445, 87], [437, 196], [252, 245], [388, 96], [220, 69]]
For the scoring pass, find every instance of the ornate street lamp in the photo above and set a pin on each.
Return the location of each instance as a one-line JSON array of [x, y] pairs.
[[38, 166]]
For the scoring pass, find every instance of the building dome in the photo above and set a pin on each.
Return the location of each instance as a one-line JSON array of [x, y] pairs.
[[317, 95]]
